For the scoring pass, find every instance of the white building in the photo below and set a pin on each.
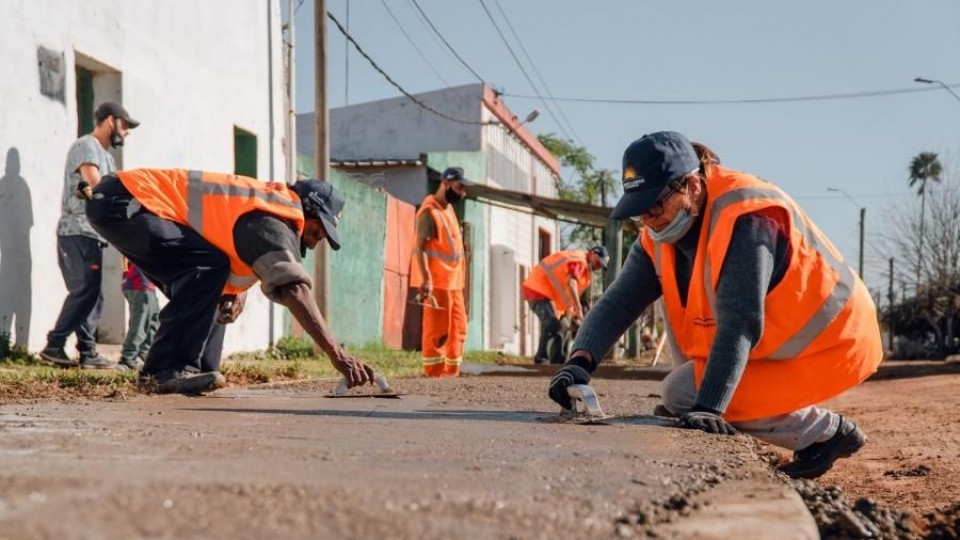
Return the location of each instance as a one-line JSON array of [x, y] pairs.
[[205, 80]]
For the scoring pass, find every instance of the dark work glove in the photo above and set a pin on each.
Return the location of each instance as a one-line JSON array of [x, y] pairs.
[[708, 421], [576, 371], [84, 191]]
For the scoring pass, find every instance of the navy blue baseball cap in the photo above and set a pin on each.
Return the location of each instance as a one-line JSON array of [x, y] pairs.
[[322, 201], [649, 164], [455, 174]]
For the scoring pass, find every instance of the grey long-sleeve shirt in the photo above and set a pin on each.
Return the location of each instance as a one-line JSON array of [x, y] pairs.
[[756, 261]]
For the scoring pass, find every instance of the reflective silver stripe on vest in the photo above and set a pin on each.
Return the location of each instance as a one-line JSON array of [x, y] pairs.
[[195, 200], [548, 268], [197, 188], [453, 256], [833, 304], [241, 281]]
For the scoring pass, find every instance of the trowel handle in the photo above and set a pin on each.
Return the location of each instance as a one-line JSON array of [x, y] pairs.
[[379, 379]]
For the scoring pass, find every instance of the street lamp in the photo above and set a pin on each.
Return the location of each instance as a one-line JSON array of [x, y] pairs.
[[863, 214], [931, 81]]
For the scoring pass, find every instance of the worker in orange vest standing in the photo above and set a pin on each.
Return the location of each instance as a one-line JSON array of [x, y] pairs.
[[554, 288], [205, 238], [765, 320], [440, 275]]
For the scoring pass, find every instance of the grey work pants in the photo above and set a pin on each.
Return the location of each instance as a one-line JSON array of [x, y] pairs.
[[793, 431]]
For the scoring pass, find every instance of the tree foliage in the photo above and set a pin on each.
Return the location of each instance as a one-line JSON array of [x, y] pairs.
[[587, 184], [928, 238]]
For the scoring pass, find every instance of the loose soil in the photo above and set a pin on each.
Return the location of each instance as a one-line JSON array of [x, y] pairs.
[[905, 483]]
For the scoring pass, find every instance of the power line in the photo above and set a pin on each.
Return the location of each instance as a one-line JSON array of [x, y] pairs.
[[821, 97], [536, 71], [522, 70], [445, 42], [397, 85], [413, 43]]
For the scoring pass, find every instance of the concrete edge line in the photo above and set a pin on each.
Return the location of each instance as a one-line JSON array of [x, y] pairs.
[[747, 508]]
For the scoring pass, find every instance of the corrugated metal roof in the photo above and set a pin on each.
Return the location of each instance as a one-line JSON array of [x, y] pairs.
[[399, 162]]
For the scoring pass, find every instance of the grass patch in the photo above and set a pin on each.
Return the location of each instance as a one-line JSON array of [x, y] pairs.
[[23, 377]]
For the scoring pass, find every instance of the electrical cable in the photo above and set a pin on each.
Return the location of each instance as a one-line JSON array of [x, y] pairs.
[[523, 70], [747, 101], [447, 43], [397, 85], [413, 43], [536, 71]]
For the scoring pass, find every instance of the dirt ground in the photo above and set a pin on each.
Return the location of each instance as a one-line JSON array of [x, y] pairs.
[[468, 458], [912, 459]]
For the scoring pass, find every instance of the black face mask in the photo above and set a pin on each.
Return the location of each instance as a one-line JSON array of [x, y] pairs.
[[116, 140], [452, 196]]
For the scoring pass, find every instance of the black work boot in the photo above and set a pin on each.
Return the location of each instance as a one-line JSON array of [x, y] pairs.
[[187, 381], [56, 356], [816, 459], [95, 361]]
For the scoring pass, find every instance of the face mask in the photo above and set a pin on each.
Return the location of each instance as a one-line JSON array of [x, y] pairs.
[[677, 229], [116, 140], [453, 197]]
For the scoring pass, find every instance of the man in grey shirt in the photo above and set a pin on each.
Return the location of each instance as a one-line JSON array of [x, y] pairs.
[[79, 247]]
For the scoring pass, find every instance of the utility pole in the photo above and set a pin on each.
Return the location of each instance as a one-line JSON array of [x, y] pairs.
[[863, 215], [291, 98], [321, 146], [890, 298]]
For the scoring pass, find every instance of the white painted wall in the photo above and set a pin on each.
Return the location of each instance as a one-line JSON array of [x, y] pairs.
[[190, 72], [510, 165]]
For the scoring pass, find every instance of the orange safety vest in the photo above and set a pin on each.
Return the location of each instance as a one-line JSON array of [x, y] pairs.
[[820, 330], [444, 252], [551, 277], [210, 204]]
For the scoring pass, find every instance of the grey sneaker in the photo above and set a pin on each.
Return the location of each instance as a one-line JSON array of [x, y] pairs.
[[135, 364], [96, 362], [179, 381], [56, 356], [816, 459]]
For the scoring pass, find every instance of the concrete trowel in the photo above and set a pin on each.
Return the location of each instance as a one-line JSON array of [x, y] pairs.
[[385, 391], [586, 407]]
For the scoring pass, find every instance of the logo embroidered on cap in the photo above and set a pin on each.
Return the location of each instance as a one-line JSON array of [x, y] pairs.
[[631, 179]]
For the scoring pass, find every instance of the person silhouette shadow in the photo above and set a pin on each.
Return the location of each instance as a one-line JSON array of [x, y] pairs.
[[16, 263]]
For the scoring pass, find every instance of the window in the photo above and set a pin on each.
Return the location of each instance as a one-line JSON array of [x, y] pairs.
[[546, 243], [85, 121], [244, 153]]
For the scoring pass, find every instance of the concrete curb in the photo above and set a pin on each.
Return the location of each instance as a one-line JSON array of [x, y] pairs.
[[748, 509]]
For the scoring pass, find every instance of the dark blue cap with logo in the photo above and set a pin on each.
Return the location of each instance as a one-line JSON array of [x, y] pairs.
[[455, 174], [322, 201], [649, 164]]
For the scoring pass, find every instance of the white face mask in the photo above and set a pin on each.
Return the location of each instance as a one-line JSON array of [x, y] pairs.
[[676, 229]]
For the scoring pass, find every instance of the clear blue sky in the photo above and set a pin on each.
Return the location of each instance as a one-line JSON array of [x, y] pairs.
[[694, 50]]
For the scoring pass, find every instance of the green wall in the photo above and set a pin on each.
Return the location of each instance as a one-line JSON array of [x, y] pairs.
[[475, 168], [356, 270]]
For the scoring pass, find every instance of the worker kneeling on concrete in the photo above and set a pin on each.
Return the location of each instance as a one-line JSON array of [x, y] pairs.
[[554, 288], [764, 318], [202, 236]]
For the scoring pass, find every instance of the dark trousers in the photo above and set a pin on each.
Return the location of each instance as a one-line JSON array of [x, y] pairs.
[[190, 271], [80, 259], [550, 328]]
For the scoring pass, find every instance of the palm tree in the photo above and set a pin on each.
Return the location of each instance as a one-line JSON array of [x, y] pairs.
[[923, 167]]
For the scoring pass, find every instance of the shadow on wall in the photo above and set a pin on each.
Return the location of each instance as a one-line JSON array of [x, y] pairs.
[[16, 264]]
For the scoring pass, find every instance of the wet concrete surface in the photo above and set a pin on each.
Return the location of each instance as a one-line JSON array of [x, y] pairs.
[[473, 457]]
